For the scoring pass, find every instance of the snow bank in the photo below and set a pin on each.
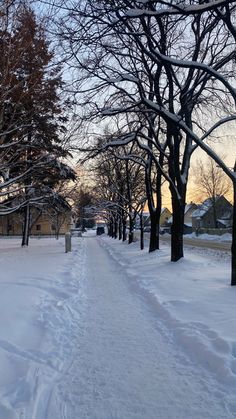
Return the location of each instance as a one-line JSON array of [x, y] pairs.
[[192, 297], [227, 237]]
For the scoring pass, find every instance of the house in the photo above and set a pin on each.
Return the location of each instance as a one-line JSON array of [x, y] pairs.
[[211, 214], [188, 211], [165, 216], [146, 220], [226, 220], [42, 222]]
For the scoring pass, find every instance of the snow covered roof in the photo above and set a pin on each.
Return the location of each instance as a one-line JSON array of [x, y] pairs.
[[203, 208], [198, 213], [227, 214], [189, 207], [164, 209], [188, 224], [226, 223]]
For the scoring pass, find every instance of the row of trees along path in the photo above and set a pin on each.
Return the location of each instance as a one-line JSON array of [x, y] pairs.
[[158, 80]]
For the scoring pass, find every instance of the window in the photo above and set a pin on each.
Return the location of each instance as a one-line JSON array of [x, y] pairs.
[[38, 227]]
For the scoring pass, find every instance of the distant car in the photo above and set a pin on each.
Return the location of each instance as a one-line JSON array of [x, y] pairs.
[[100, 230]]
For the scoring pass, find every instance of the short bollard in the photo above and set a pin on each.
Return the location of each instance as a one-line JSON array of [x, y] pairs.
[[67, 242]]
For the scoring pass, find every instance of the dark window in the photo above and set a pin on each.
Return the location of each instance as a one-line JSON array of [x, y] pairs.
[[53, 227], [38, 227]]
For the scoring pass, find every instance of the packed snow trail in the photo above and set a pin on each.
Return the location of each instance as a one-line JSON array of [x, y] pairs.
[[123, 364]]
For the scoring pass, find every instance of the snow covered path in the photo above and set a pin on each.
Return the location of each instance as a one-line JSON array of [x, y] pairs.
[[80, 338], [125, 366]]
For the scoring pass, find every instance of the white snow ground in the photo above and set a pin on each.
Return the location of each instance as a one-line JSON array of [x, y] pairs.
[[111, 332]]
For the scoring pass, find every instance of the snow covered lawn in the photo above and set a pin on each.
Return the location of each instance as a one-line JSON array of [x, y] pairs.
[[192, 297], [36, 324], [111, 332]]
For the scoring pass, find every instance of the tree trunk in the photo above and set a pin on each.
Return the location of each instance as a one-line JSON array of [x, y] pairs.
[[214, 212], [124, 229], [233, 248], [177, 251], [115, 229], [131, 230], [154, 213], [109, 229], [25, 236], [141, 232], [57, 227], [120, 228], [154, 210], [154, 234], [8, 226]]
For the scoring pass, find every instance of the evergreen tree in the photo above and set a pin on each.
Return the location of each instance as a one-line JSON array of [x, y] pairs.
[[35, 111]]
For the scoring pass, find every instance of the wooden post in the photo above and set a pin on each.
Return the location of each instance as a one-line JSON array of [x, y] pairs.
[[67, 242]]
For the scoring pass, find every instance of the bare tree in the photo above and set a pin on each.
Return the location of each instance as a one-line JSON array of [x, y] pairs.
[[210, 182], [120, 176], [133, 58]]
